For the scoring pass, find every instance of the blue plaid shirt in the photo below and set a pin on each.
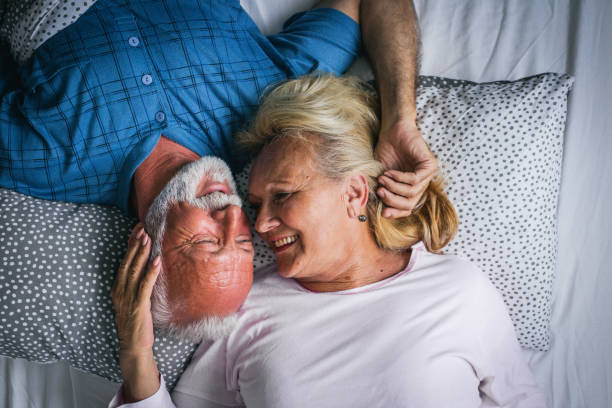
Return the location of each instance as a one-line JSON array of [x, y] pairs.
[[96, 97]]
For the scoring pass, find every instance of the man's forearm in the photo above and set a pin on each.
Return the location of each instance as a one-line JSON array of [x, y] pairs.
[[391, 39]]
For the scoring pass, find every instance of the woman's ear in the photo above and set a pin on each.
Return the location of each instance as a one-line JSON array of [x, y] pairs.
[[356, 195]]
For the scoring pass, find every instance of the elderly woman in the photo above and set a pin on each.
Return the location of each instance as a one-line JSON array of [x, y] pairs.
[[359, 310]]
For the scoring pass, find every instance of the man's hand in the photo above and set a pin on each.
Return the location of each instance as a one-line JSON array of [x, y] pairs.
[[410, 164], [132, 303], [390, 34]]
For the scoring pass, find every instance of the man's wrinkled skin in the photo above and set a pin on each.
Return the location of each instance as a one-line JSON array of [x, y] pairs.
[[208, 259]]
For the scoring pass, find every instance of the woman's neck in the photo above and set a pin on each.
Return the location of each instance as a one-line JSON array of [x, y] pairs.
[[150, 178], [366, 265]]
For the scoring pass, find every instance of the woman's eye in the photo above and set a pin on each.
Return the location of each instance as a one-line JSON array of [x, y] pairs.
[[280, 197]]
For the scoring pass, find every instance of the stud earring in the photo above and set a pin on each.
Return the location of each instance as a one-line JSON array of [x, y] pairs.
[[363, 218]]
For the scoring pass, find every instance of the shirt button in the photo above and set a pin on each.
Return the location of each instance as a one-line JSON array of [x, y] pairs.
[[160, 116], [147, 79], [134, 41]]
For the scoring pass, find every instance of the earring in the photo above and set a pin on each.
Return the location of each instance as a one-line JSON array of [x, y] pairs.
[[363, 218]]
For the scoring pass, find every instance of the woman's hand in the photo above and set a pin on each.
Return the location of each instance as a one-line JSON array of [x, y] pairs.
[[131, 295], [410, 164]]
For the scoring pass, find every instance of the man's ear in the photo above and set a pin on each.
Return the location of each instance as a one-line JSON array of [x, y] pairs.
[[356, 195]]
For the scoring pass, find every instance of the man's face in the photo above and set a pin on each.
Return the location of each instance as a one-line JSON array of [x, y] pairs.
[[208, 261], [197, 225]]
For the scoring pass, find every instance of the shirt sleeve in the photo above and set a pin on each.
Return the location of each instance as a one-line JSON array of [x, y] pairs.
[[208, 379], [505, 378], [161, 399], [322, 39]]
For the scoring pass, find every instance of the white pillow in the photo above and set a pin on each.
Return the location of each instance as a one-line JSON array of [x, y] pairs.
[[499, 145]]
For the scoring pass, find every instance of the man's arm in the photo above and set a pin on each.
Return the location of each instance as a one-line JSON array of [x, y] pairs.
[[391, 39]]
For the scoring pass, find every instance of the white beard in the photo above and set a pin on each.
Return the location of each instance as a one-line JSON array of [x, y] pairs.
[[183, 187]]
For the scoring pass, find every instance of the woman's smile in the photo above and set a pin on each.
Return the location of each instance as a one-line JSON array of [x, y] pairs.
[[280, 245]]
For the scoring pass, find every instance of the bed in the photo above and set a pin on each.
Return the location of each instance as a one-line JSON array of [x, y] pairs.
[[484, 41]]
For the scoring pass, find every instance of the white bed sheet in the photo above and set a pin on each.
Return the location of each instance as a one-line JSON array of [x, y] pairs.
[[484, 41]]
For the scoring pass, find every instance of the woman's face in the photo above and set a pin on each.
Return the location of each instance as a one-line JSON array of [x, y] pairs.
[[301, 213]]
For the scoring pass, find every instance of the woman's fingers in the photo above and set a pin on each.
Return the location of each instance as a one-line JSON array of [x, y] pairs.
[[137, 268], [137, 231], [123, 271], [397, 202], [131, 295], [148, 281], [405, 177]]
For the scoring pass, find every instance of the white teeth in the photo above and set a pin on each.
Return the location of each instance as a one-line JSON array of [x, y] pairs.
[[285, 241]]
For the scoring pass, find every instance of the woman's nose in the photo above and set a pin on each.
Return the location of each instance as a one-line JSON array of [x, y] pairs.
[[265, 220]]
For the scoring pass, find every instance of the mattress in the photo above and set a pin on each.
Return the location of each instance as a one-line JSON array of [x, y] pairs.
[[485, 41]]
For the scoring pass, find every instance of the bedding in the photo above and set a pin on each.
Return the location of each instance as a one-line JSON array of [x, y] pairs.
[[57, 267], [485, 41], [26, 24], [499, 145]]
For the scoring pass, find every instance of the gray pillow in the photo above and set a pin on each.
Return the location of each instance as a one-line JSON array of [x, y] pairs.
[[57, 265]]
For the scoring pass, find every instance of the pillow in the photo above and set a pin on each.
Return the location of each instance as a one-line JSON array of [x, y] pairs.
[[57, 265], [499, 145], [26, 24]]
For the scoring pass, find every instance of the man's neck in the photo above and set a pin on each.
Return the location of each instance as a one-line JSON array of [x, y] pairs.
[[166, 159]]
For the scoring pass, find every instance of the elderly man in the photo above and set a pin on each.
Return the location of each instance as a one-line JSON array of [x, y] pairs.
[[111, 108], [126, 106]]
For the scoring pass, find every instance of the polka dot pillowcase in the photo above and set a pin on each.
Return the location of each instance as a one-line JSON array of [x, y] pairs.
[[499, 145], [26, 24], [57, 267]]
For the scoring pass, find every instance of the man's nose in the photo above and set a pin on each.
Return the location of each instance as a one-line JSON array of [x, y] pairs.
[[265, 221], [234, 222]]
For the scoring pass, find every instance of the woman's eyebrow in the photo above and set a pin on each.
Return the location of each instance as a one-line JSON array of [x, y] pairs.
[[270, 185]]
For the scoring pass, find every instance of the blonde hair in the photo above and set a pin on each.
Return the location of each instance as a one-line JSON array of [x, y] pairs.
[[342, 113]]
